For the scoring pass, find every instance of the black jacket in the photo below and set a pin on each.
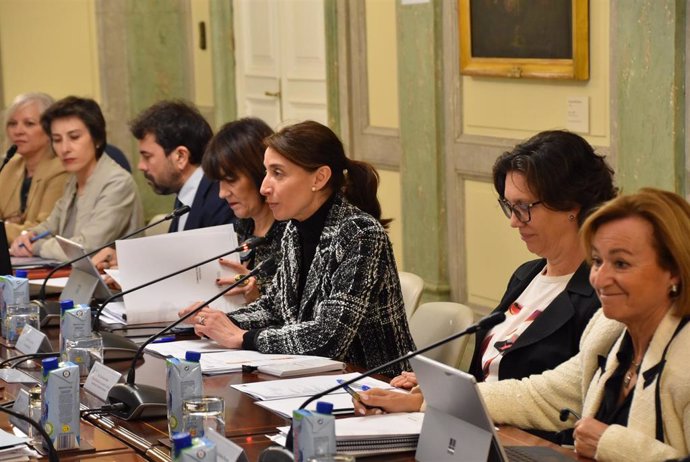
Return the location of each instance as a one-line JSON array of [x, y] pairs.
[[554, 336]]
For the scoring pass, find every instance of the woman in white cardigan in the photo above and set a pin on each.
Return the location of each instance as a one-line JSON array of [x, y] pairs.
[[630, 381], [100, 202]]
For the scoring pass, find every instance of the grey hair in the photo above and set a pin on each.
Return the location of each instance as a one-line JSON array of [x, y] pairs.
[[43, 100]]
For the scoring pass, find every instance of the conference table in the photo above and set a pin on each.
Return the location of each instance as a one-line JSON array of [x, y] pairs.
[[106, 438]]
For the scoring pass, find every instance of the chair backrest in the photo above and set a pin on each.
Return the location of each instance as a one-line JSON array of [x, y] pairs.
[[412, 288], [160, 228], [434, 321]]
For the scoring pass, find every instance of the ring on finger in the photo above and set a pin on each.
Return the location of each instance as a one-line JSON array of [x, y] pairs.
[[240, 276], [202, 320]]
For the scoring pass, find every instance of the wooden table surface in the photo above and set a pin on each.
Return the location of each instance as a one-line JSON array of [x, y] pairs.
[[245, 423]]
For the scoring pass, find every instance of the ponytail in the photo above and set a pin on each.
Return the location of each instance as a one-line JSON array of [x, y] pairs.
[[360, 187]]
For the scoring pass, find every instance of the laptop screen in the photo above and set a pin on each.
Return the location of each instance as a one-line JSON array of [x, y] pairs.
[[5, 260]]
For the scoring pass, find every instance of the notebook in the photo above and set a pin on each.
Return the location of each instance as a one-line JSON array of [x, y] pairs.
[[84, 280], [457, 426]]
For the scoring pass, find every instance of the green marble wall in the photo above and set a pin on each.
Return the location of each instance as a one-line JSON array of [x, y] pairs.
[[649, 82], [158, 67], [421, 135]]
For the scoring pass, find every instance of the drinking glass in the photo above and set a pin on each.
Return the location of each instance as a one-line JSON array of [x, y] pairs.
[[84, 352], [18, 316], [201, 413]]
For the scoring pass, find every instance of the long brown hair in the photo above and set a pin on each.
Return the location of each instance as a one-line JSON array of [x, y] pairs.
[[311, 145]]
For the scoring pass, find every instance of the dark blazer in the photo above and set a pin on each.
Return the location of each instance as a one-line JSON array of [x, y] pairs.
[[554, 336], [207, 209]]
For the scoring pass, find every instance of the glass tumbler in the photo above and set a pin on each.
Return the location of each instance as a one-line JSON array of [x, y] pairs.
[[201, 413], [84, 352], [19, 316]]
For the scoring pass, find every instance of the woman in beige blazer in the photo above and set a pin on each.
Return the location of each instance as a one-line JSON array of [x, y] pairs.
[[33, 180], [100, 202]]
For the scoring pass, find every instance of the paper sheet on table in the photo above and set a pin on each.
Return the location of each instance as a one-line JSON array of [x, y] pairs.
[[145, 259], [54, 286], [304, 386], [342, 404], [372, 426], [9, 440], [180, 348]]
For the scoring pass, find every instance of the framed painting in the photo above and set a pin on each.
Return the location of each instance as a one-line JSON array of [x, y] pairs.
[[545, 39]]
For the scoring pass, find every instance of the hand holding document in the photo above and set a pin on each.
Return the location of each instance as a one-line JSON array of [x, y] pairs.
[[142, 260]]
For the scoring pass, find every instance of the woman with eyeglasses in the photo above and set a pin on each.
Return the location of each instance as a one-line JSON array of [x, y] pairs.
[[547, 186]]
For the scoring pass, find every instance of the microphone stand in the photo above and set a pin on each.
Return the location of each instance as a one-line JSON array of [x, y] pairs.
[[10, 154], [246, 245], [483, 324], [52, 453], [149, 401]]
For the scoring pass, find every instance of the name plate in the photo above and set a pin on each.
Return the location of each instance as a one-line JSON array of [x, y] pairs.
[[31, 340], [226, 450], [100, 380]]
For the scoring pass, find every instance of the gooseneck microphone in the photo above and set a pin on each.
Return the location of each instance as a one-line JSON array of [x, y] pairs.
[[8, 156], [144, 401], [483, 324], [175, 213], [52, 454], [249, 244]]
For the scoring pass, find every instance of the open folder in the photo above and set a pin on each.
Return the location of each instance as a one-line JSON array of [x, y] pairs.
[[145, 259]]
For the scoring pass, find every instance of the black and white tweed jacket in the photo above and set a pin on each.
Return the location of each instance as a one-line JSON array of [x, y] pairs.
[[352, 307]]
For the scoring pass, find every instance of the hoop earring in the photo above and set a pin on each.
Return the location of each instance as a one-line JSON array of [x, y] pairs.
[[571, 217]]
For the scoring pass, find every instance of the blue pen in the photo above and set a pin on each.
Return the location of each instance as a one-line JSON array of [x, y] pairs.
[[361, 387], [37, 237], [40, 236], [354, 394], [164, 339]]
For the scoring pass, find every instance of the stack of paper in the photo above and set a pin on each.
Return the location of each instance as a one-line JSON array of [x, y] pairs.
[[305, 386], [14, 448], [373, 434], [219, 360]]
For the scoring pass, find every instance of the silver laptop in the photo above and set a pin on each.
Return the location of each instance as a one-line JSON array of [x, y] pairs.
[[457, 426], [84, 281]]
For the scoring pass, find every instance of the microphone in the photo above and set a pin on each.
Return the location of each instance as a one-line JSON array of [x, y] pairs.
[[143, 401], [485, 323], [249, 244], [9, 155], [52, 454], [175, 213]]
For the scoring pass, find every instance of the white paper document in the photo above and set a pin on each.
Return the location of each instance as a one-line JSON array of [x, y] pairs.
[[304, 386], [342, 404], [145, 259], [54, 286], [180, 348]]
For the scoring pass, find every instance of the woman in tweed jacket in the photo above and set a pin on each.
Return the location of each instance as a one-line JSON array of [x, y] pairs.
[[336, 292]]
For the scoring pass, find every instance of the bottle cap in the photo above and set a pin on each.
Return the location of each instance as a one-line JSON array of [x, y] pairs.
[[194, 356], [66, 304], [49, 364], [21, 273], [181, 441], [323, 407]]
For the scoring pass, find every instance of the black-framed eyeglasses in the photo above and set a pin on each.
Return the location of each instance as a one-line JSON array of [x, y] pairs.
[[523, 212]]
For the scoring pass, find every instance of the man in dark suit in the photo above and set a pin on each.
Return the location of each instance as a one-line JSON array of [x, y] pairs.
[[172, 137]]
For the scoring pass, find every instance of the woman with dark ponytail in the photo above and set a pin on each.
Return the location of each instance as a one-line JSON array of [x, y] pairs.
[[336, 292]]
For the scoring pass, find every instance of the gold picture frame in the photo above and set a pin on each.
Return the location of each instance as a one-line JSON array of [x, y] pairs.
[[544, 39]]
